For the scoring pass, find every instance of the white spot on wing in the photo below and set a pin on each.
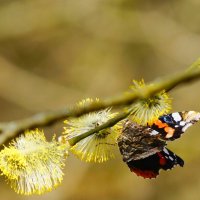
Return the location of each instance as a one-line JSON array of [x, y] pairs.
[[192, 116], [154, 132], [182, 123], [165, 150], [176, 116], [171, 158], [186, 127]]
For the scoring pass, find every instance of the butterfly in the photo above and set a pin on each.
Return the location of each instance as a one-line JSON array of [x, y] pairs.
[[143, 148]]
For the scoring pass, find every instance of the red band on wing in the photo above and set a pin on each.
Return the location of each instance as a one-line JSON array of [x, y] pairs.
[[145, 174], [162, 160]]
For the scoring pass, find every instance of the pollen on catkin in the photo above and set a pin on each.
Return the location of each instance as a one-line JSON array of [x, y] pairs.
[[31, 164], [147, 110], [98, 147]]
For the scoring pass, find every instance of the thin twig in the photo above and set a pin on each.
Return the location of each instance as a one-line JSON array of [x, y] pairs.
[[10, 130], [109, 123]]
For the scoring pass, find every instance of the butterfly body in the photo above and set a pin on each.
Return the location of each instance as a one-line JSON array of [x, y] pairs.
[[144, 147]]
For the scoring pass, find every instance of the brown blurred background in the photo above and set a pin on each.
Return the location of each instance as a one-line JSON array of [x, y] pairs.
[[56, 52]]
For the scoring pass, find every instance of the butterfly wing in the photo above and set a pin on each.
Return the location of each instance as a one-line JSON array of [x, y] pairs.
[[137, 142], [171, 126], [143, 147], [149, 167]]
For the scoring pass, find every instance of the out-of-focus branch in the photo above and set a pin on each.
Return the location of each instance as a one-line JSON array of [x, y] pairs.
[[26, 84], [12, 129]]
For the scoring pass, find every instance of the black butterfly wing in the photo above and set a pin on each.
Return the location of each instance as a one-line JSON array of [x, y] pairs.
[[149, 167], [171, 126], [143, 147]]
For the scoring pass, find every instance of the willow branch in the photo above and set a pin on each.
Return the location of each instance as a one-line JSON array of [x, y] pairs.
[[109, 123], [10, 130]]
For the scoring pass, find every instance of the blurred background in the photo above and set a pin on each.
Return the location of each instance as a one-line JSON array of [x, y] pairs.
[[54, 53]]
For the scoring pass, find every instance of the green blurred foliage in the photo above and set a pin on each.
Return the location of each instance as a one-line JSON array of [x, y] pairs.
[[54, 53]]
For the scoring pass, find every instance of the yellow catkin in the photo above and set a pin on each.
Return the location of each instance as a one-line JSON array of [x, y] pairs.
[[146, 111], [98, 147], [31, 164]]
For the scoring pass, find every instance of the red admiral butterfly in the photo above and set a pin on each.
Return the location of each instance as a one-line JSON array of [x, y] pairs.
[[143, 147]]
